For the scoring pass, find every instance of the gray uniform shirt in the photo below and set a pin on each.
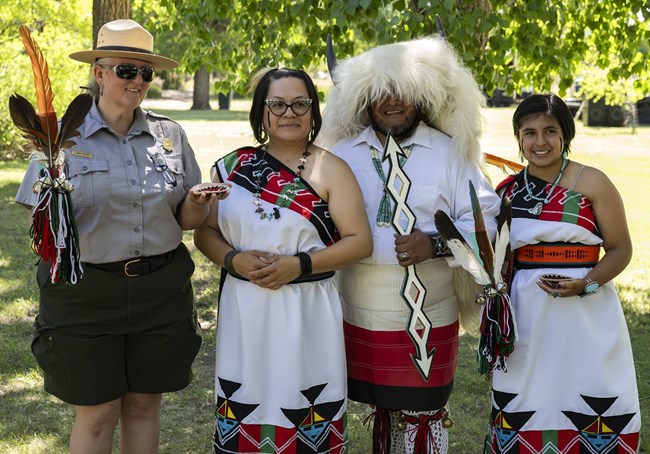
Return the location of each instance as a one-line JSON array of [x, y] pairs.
[[122, 204]]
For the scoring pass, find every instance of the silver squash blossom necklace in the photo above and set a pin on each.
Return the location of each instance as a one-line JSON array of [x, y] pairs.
[[541, 201]]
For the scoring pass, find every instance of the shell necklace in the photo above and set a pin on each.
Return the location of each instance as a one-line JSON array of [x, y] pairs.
[[541, 201], [286, 196]]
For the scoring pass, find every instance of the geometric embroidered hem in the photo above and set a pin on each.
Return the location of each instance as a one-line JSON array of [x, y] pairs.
[[319, 437], [560, 442]]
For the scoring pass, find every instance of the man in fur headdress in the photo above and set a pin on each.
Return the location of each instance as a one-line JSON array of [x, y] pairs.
[[420, 92]]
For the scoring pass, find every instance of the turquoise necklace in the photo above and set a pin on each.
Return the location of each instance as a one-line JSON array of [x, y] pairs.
[[541, 201], [385, 211]]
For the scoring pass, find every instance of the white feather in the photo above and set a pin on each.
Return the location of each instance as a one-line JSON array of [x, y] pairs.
[[466, 258], [500, 248]]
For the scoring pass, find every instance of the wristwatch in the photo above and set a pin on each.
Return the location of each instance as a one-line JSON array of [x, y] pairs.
[[591, 287]]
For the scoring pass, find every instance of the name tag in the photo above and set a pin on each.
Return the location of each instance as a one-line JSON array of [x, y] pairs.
[[83, 154]]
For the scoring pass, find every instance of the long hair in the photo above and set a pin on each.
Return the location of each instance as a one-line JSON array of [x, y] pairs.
[[550, 105], [261, 81], [425, 72]]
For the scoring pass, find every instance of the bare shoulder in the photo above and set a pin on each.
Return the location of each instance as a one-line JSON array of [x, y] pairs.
[[592, 175], [592, 182], [328, 161]]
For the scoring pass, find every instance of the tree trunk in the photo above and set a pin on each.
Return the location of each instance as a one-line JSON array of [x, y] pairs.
[[224, 100], [106, 11], [201, 95]]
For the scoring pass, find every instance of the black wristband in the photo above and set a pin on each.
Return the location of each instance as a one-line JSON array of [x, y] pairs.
[[305, 263], [227, 260], [440, 248]]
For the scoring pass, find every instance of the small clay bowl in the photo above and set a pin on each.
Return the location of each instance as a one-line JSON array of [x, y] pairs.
[[552, 280], [212, 188]]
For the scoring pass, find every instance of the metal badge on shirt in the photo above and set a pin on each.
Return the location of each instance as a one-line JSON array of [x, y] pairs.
[[167, 144]]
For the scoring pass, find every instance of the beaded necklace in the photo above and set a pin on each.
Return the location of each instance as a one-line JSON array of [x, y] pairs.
[[385, 211], [541, 201], [292, 190]]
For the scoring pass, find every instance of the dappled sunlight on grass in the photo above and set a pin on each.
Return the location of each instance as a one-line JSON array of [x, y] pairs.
[[38, 443], [31, 380], [32, 421], [17, 309]]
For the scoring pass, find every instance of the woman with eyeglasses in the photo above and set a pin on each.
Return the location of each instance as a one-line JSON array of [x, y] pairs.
[[125, 333], [294, 215]]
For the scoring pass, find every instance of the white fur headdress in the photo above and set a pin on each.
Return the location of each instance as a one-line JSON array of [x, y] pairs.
[[425, 72]]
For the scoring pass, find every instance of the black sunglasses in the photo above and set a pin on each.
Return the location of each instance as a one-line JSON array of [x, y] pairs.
[[160, 164], [128, 71]]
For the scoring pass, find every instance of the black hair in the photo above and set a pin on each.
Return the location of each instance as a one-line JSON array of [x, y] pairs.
[[550, 105], [256, 116]]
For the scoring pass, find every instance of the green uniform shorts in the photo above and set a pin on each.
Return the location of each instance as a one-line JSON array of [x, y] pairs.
[[110, 334]]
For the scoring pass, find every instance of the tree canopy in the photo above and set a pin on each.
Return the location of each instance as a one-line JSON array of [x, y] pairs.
[[59, 28], [507, 44]]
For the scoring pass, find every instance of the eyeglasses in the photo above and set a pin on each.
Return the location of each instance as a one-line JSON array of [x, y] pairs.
[[278, 108], [160, 163], [128, 71]]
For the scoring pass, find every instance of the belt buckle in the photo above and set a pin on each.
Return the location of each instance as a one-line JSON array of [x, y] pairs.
[[126, 268]]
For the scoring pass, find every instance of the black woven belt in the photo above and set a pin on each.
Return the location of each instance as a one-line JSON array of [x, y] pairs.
[[136, 266], [311, 278]]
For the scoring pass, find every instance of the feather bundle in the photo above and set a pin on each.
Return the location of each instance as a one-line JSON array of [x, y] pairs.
[[39, 125], [54, 232], [498, 329], [30, 124]]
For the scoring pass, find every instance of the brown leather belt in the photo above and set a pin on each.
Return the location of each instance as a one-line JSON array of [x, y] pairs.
[[557, 255], [136, 266]]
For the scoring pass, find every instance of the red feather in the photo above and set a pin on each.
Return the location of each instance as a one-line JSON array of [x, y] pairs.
[[44, 94]]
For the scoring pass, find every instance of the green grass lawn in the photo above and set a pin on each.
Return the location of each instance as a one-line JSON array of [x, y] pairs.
[[32, 421]]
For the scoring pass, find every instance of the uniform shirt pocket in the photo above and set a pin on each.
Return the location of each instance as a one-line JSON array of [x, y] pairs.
[[91, 182], [175, 193]]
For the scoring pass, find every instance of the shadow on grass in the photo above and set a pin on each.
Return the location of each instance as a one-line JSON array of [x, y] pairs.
[[16, 257], [29, 413]]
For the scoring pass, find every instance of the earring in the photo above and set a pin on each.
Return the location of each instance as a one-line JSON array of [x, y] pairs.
[[565, 149], [101, 91]]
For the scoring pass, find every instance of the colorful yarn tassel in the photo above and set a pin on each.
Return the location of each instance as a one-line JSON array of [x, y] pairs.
[[54, 233], [498, 330]]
